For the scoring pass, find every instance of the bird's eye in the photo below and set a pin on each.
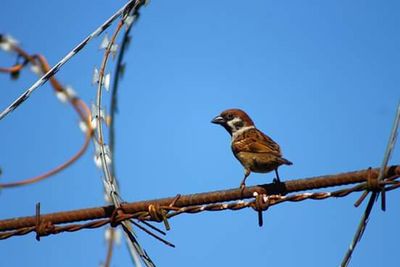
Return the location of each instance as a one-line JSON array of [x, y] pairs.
[[229, 117]]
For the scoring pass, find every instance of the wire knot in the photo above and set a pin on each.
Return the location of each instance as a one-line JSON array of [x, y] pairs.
[[156, 213], [260, 204], [115, 216], [372, 182], [42, 228], [372, 185], [159, 214]]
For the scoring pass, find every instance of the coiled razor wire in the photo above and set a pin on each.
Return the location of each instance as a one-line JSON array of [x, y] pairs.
[[24, 96]]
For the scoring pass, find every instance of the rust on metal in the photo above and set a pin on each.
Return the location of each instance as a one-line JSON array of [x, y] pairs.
[[186, 203]]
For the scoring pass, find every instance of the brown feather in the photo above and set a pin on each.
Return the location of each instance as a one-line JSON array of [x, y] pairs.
[[238, 113], [256, 151], [255, 141]]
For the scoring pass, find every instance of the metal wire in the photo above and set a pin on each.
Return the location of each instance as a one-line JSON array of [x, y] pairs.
[[110, 182], [217, 200], [113, 110], [24, 96], [174, 211], [375, 192]]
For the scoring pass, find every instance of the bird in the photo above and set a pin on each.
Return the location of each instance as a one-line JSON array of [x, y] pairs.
[[256, 151]]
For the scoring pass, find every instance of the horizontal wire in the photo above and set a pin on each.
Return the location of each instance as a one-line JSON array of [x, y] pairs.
[[185, 204]]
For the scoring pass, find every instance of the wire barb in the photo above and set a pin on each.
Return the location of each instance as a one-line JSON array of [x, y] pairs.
[[230, 199], [42, 228]]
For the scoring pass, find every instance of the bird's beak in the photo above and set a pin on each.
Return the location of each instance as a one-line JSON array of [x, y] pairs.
[[218, 120]]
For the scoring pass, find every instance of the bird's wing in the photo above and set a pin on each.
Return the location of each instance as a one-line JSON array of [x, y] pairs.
[[255, 141]]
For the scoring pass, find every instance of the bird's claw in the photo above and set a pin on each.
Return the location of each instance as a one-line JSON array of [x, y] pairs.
[[242, 187]]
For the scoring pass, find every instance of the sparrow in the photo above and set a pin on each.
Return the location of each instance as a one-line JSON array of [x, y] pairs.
[[256, 151]]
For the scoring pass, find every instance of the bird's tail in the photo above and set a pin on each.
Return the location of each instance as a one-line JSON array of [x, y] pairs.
[[286, 162]]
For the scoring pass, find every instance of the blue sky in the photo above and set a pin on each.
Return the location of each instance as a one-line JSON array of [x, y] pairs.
[[320, 77]]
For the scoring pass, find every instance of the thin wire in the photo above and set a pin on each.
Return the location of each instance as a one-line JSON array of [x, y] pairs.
[[110, 246], [24, 96], [360, 230], [391, 143], [388, 153], [365, 217]]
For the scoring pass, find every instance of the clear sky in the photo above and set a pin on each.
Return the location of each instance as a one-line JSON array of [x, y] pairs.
[[320, 77]]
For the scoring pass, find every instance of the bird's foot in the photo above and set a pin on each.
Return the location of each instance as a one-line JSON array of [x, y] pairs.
[[276, 181], [242, 187]]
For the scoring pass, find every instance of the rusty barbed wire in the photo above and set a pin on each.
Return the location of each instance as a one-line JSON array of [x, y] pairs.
[[48, 228], [163, 209]]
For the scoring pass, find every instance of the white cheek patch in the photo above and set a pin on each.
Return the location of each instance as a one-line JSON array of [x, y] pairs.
[[232, 123], [240, 131]]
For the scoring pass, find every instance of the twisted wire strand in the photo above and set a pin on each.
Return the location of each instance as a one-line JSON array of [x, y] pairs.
[[289, 186], [173, 211]]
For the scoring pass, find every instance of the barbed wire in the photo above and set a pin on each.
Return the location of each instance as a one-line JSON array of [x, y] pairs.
[[377, 181], [160, 210], [259, 204]]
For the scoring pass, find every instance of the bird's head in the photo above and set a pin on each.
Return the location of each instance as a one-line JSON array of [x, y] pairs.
[[234, 120]]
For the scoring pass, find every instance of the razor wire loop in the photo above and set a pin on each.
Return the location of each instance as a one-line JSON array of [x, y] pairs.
[[137, 252], [24, 96], [133, 9]]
